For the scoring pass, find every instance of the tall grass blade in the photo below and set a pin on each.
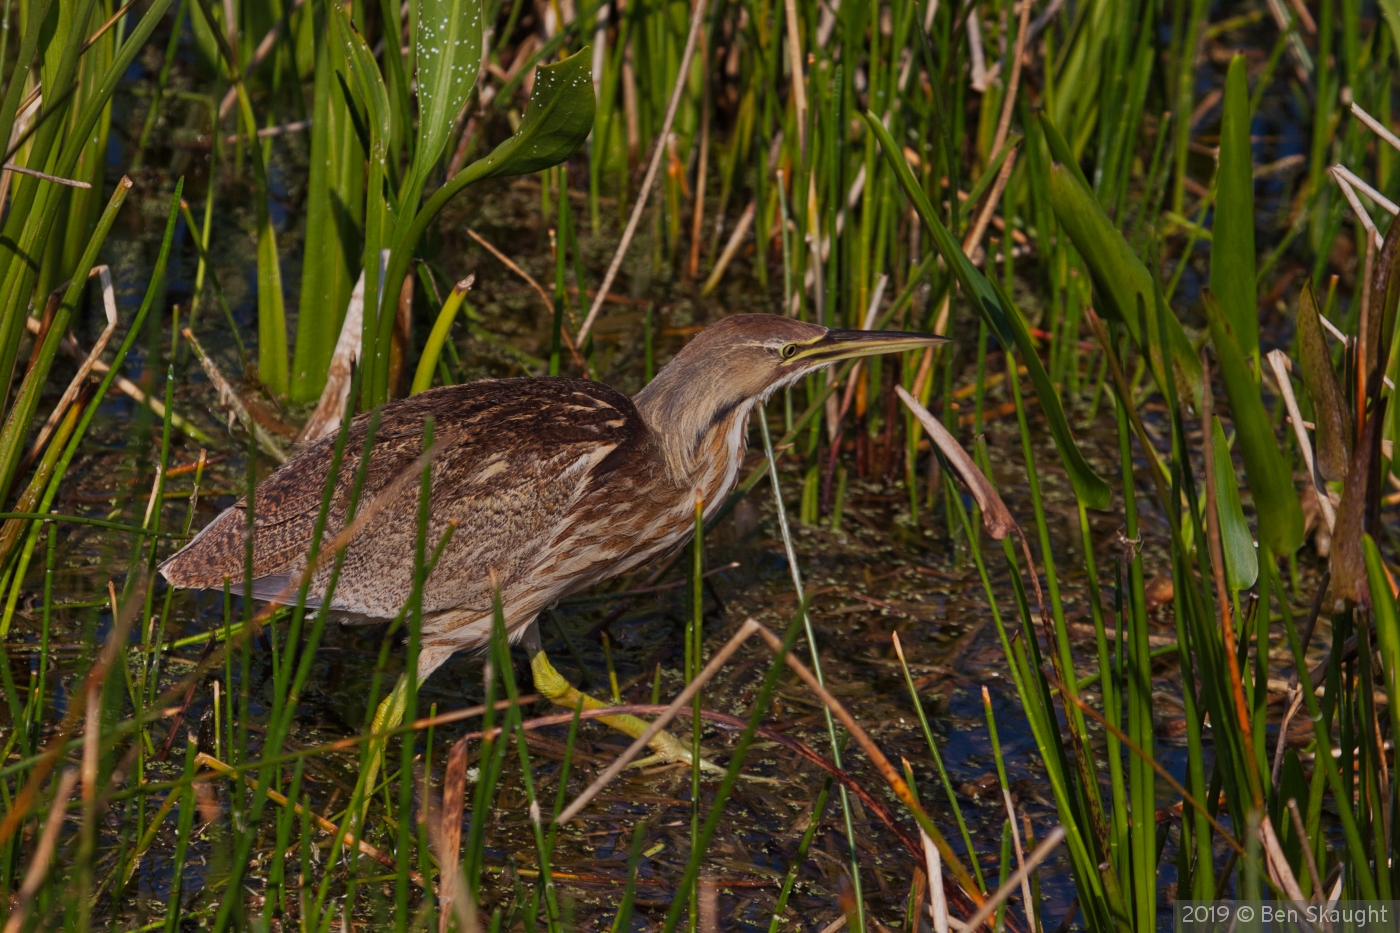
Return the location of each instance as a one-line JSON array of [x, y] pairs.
[[1391, 9], [26, 402], [1270, 480], [1004, 320], [1387, 627], [1241, 563], [34, 204], [335, 204], [1232, 271], [442, 327], [378, 128], [1330, 412], [1122, 281]]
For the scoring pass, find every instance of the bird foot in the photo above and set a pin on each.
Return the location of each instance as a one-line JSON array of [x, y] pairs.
[[667, 749]]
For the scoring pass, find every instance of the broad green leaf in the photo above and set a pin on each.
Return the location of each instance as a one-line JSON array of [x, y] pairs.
[[1270, 480], [1241, 562], [556, 122], [1387, 618], [1060, 150], [1232, 269], [1330, 412], [449, 55], [1121, 280], [1004, 320]]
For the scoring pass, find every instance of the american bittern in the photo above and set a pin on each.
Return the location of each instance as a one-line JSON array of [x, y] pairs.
[[553, 485]]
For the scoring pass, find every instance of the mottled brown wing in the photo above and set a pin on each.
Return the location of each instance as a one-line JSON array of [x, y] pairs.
[[511, 458]]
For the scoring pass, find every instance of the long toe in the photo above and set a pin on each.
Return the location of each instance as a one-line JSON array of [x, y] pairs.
[[667, 749]]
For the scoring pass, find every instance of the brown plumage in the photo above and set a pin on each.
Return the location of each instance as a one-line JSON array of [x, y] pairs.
[[554, 484]]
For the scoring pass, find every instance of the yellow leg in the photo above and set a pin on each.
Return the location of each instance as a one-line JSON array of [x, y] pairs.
[[551, 685], [388, 716]]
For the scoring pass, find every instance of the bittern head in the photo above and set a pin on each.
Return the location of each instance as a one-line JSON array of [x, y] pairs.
[[743, 359]]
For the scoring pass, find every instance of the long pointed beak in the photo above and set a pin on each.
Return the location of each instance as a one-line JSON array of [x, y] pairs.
[[838, 345]]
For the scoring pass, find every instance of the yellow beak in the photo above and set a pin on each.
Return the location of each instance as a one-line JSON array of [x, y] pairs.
[[836, 345]]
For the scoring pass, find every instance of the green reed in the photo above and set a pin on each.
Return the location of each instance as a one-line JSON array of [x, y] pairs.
[[874, 157]]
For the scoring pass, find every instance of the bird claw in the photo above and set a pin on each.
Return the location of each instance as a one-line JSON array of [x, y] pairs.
[[667, 749]]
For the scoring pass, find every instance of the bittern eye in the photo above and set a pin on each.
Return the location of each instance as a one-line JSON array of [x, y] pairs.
[[789, 351]]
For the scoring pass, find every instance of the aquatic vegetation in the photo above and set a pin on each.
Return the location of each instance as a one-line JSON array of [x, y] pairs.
[[1160, 235]]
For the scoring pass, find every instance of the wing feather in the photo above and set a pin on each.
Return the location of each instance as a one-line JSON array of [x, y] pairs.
[[511, 459]]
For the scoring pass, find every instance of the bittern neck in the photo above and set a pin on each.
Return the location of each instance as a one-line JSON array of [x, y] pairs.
[[701, 433]]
